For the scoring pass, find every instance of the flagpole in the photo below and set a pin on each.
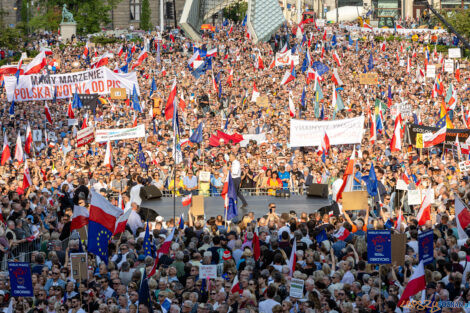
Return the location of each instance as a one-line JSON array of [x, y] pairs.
[[175, 107]]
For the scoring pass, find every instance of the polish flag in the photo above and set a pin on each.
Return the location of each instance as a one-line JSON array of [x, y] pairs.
[[235, 286], [187, 200], [121, 222], [182, 103], [85, 121], [259, 63], [310, 40], [230, 78], [336, 57], [26, 176], [86, 50], [322, 52], [311, 75], [134, 120], [142, 56], [335, 78], [395, 144], [194, 57], [462, 217], [293, 258], [284, 49], [457, 72], [424, 213], [133, 48], [255, 93], [433, 139], [416, 283], [453, 98], [212, 53], [291, 105], [324, 35], [289, 75], [398, 56], [120, 51], [325, 143], [108, 157], [79, 217], [163, 72], [372, 129], [230, 30], [164, 249], [405, 177], [19, 155], [342, 233], [400, 221], [36, 65], [169, 102], [408, 65], [29, 140], [102, 212], [103, 60], [6, 155], [398, 26], [70, 113], [365, 25], [383, 46], [48, 113], [46, 51], [214, 83], [348, 175]]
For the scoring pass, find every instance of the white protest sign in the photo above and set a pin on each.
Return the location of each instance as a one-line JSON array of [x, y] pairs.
[[204, 176], [415, 197], [37, 135], [85, 136], [41, 87], [284, 59], [449, 66], [305, 133], [401, 185], [103, 135], [320, 23], [431, 71], [259, 138], [402, 63], [464, 166], [72, 121], [454, 53], [208, 271], [296, 288]]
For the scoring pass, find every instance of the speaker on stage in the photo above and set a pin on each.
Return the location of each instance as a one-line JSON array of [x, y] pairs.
[[150, 192], [318, 190]]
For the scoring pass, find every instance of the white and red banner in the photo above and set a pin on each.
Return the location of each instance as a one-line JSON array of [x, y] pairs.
[[41, 87], [85, 136], [305, 133], [285, 59], [103, 135]]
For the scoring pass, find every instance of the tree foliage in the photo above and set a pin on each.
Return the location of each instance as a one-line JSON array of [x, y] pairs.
[[10, 38], [145, 16], [459, 19], [236, 11]]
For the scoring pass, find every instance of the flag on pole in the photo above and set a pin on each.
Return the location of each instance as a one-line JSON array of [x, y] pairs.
[[424, 213], [416, 283], [6, 155]]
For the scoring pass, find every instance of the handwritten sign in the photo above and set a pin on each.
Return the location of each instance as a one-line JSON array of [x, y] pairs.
[[415, 197], [208, 271], [368, 79], [379, 247]]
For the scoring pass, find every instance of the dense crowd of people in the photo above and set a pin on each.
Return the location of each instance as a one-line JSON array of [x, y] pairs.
[[330, 246]]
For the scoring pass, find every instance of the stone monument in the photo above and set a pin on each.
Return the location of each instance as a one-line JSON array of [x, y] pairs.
[[68, 26]]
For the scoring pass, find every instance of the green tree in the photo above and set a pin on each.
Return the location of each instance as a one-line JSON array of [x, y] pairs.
[[236, 11], [10, 38], [145, 16], [459, 19]]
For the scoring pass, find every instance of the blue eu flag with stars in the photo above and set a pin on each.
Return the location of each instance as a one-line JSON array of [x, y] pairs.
[[99, 247], [144, 293], [147, 245], [141, 158]]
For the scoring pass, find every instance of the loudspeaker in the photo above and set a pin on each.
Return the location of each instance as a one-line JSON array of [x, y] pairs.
[[150, 192], [318, 190], [169, 10]]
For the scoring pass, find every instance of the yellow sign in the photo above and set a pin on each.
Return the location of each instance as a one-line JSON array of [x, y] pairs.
[[414, 37], [355, 200], [118, 93], [368, 79], [419, 141]]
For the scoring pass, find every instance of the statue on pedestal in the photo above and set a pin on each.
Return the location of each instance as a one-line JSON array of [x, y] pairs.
[[67, 15]]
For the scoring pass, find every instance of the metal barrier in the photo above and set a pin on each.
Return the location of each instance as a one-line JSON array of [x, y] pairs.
[[279, 192]]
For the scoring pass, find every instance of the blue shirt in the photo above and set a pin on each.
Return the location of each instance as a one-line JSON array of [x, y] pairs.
[[190, 182], [282, 176]]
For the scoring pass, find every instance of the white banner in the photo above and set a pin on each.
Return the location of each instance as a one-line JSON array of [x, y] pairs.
[[41, 87], [309, 133], [284, 59], [103, 135], [393, 30], [259, 138], [454, 53], [85, 136]]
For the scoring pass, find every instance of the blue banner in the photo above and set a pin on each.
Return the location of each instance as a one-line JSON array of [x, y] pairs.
[[379, 247], [20, 279], [426, 246]]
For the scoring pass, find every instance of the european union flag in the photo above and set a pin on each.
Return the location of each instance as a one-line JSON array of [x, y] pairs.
[[196, 137], [135, 100], [207, 65], [147, 244], [76, 102], [153, 86], [320, 68], [225, 23], [321, 236], [365, 69], [141, 158], [371, 62], [322, 113], [144, 293], [125, 68], [102, 235], [244, 21], [371, 181], [302, 99], [455, 41], [333, 40], [12, 108], [350, 40], [181, 223], [129, 56], [54, 98], [442, 122], [232, 210]]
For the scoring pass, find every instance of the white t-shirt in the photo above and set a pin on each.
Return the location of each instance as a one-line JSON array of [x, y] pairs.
[[266, 306]]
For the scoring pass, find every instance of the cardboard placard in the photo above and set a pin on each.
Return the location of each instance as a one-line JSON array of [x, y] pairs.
[[208, 271], [118, 93], [262, 101], [204, 176], [79, 266], [355, 200], [398, 249], [197, 205], [368, 79], [296, 288]]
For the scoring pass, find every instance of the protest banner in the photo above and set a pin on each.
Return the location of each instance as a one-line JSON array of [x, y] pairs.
[[414, 129], [41, 87], [305, 133], [72, 122], [454, 53], [464, 166], [448, 66], [208, 271], [355, 200], [368, 79], [85, 136], [426, 246], [398, 249], [284, 59], [401, 185], [103, 135], [379, 247], [296, 288], [118, 93], [79, 266], [89, 101], [259, 138], [415, 197], [21, 284]]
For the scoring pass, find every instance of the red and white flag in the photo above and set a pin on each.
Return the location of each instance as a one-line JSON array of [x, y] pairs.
[[133, 48], [70, 112], [235, 286], [342, 233], [416, 283], [230, 78], [29, 140], [383, 46], [373, 128], [121, 222], [134, 120], [433, 139], [348, 175], [187, 200], [79, 217], [259, 63], [142, 56], [169, 102], [120, 51], [164, 249], [48, 113], [36, 65], [408, 65], [46, 51], [26, 176], [214, 84], [336, 57], [457, 72], [395, 144], [19, 155], [212, 52], [400, 221], [108, 157], [424, 213], [462, 215], [86, 51], [255, 93], [291, 105], [163, 72], [365, 25], [335, 78], [325, 143], [293, 258], [6, 154], [103, 60]]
